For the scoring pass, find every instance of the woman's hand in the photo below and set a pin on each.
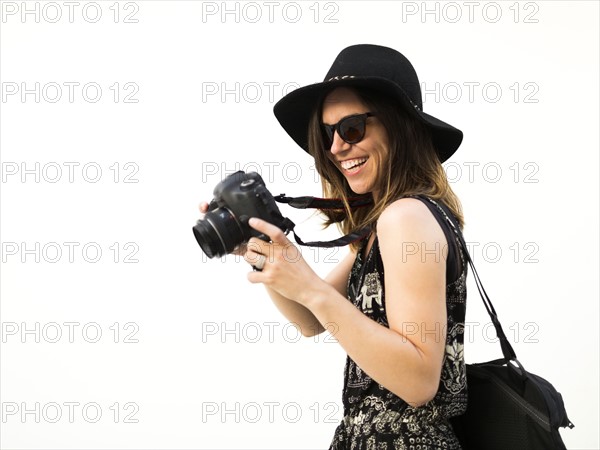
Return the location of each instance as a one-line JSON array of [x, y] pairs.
[[284, 270], [241, 249]]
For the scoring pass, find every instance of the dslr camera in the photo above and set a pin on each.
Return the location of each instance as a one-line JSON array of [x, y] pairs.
[[235, 199]]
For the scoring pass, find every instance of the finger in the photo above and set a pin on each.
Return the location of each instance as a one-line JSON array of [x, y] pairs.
[[203, 207], [252, 257], [275, 233], [258, 246], [255, 277]]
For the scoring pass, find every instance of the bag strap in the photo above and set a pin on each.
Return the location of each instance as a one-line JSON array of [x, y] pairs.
[[507, 350]]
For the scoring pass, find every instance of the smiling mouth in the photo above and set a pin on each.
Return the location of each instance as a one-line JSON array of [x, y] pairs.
[[353, 164]]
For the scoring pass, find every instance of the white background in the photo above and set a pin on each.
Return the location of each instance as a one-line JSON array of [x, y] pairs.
[[175, 376]]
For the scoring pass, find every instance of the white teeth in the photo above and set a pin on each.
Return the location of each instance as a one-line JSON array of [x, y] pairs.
[[351, 163]]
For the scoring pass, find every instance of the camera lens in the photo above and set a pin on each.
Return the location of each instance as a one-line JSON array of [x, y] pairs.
[[218, 233]]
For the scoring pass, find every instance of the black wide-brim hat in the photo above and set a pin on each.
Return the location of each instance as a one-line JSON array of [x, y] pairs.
[[370, 66]]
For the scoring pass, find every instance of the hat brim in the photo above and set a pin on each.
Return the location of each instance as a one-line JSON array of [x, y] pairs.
[[294, 111]]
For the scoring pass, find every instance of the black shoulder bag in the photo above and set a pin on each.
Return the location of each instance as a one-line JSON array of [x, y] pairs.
[[508, 408]]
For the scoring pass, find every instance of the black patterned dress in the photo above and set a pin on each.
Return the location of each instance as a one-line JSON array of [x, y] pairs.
[[374, 417]]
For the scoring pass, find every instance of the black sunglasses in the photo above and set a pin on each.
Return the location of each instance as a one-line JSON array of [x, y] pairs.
[[351, 129]]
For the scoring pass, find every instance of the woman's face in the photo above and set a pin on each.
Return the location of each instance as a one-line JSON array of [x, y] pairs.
[[361, 162]]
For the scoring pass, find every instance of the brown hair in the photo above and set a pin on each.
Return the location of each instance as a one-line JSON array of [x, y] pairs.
[[413, 166]]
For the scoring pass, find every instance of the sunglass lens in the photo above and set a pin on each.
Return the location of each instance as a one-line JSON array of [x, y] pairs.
[[352, 129], [327, 136]]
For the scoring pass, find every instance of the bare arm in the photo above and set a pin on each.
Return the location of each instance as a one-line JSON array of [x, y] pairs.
[[409, 354], [405, 360], [301, 316]]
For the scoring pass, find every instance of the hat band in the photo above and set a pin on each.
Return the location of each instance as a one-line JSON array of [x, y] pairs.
[[343, 77]]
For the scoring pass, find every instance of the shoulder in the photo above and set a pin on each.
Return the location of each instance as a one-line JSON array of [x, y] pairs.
[[407, 213], [408, 220]]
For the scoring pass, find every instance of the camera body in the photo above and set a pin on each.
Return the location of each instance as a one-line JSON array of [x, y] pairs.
[[236, 199]]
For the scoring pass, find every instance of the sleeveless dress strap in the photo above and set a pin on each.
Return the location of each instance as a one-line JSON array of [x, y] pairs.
[[454, 263]]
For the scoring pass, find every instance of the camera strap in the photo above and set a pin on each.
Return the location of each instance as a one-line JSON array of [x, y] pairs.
[[325, 203]]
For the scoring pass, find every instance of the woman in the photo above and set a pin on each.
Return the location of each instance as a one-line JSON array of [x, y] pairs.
[[398, 299]]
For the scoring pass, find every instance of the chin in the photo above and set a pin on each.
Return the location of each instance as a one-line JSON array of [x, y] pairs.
[[358, 190]]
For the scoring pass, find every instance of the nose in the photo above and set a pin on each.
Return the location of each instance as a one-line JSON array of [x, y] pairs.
[[339, 145]]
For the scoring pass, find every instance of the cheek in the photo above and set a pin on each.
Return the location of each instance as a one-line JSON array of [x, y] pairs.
[[380, 147], [381, 156], [330, 161]]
